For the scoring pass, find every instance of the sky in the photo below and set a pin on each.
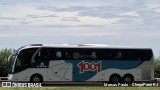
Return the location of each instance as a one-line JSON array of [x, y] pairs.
[[112, 22]]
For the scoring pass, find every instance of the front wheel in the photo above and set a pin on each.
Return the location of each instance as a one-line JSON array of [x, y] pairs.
[[36, 79]]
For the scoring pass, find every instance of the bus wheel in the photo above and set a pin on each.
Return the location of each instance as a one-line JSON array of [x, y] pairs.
[[128, 79], [36, 78], [115, 78]]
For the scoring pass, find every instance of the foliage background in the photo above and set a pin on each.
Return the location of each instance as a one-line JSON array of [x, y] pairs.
[[4, 64], [157, 68]]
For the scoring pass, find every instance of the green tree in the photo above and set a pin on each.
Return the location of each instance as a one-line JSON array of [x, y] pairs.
[[157, 68], [4, 65]]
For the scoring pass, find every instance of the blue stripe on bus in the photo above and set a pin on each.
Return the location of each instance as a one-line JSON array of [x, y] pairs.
[[106, 64]]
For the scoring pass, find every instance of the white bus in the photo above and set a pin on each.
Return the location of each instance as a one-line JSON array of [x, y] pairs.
[[83, 62]]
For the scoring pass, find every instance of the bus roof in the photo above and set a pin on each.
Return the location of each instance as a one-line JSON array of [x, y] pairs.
[[82, 46]]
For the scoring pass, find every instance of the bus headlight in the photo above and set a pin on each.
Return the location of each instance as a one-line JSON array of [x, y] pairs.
[[10, 77]]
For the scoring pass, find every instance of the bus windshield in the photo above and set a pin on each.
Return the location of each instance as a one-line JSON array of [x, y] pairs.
[[23, 59]]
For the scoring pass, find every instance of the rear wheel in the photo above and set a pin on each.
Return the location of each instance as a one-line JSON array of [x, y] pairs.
[[128, 79], [115, 79]]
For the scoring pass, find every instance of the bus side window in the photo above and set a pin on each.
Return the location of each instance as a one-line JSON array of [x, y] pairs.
[[58, 54], [43, 55], [68, 55], [76, 55], [94, 55], [118, 55], [38, 56]]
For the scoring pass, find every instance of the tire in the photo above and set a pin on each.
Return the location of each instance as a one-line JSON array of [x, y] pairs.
[[114, 79], [128, 79], [36, 78]]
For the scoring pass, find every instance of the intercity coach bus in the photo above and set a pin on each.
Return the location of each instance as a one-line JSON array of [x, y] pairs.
[[82, 62]]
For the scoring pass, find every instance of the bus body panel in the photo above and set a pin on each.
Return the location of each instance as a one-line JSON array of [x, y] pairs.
[[61, 71], [84, 70]]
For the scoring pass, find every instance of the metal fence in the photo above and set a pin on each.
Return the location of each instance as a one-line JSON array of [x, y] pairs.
[[157, 79]]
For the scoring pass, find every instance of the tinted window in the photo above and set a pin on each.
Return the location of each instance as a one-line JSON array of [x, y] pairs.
[[45, 54], [93, 54], [23, 59]]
